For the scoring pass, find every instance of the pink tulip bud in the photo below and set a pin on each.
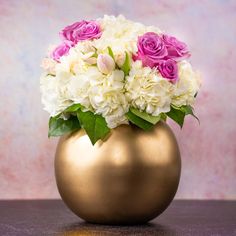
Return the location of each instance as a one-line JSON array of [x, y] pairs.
[[105, 63]]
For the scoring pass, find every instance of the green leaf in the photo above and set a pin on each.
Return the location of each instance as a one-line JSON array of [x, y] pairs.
[[143, 124], [188, 110], [95, 54], [94, 125], [126, 66], [59, 126], [73, 108], [110, 52], [177, 115], [163, 116], [145, 116]]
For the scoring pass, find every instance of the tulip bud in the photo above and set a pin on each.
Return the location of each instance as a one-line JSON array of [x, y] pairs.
[[120, 59], [91, 60], [105, 63]]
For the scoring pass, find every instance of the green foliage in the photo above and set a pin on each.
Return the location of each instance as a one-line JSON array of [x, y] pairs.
[[178, 114], [163, 116], [110, 52], [188, 110], [145, 116], [126, 66], [94, 125], [59, 126], [136, 120], [73, 108]]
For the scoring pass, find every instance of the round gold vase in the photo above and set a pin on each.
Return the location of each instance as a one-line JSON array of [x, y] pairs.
[[129, 178]]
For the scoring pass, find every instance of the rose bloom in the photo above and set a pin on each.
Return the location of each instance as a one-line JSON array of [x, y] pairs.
[[80, 31], [59, 51], [176, 49], [151, 49], [169, 70]]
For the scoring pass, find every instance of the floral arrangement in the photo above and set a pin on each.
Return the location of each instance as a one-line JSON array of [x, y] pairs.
[[113, 71]]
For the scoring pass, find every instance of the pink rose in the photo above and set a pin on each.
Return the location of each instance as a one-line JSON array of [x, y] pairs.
[[80, 31], [169, 70], [59, 51], [151, 49], [176, 49]]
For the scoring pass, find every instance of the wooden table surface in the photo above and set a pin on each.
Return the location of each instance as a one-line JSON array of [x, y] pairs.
[[183, 217]]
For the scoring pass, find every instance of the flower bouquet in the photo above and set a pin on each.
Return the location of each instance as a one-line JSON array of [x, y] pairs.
[[106, 74], [113, 71]]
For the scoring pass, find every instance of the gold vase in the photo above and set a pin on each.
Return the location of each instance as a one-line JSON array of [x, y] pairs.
[[129, 178]]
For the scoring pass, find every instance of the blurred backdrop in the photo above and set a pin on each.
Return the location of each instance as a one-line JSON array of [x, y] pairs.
[[208, 151]]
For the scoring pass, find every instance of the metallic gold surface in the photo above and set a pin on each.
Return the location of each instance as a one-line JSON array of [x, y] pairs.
[[129, 178]]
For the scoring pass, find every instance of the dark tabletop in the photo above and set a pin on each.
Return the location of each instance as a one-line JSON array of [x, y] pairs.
[[51, 217]]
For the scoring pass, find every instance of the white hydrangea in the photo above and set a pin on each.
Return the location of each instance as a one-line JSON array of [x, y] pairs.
[[102, 94], [108, 99], [54, 95], [187, 86], [77, 81], [120, 34], [58, 90], [147, 90]]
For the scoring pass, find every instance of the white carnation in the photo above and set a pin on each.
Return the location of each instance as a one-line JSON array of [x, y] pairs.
[[63, 89], [187, 86], [120, 34], [147, 90], [100, 93], [107, 97], [54, 95]]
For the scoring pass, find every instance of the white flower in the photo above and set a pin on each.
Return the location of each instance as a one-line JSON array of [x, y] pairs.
[[120, 59], [54, 97], [148, 91], [61, 90], [49, 65], [187, 86], [107, 98], [101, 93], [120, 34]]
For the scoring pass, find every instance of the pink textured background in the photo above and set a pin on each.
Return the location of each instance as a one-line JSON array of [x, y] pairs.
[[208, 150]]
